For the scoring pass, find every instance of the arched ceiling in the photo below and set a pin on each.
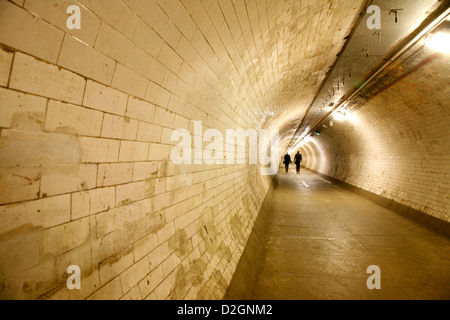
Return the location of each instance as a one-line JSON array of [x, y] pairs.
[[290, 49], [293, 46], [305, 39], [366, 52]]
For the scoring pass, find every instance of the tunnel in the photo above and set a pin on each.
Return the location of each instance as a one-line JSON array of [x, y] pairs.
[[143, 144]]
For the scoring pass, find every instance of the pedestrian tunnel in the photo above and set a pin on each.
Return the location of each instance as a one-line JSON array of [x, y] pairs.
[[141, 146]]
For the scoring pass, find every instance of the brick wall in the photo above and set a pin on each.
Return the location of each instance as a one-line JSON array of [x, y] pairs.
[[86, 118], [397, 144]]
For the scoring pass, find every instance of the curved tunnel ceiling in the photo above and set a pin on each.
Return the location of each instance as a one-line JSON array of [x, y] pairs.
[[322, 51], [86, 168], [293, 46]]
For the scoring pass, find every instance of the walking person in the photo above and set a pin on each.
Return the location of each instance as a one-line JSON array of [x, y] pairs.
[[298, 160], [287, 162]]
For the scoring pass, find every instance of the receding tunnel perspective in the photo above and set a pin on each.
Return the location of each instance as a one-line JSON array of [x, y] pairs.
[[224, 149]]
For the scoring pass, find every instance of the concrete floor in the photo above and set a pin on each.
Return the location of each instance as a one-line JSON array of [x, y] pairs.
[[322, 238]]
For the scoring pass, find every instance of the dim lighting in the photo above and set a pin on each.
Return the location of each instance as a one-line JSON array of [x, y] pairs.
[[440, 42]]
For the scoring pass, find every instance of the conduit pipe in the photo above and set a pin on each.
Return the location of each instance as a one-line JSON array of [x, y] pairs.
[[423, 32]]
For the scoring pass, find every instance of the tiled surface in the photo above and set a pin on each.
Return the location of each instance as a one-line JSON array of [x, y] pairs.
[[396, 144], [85, 136], [86, 122]]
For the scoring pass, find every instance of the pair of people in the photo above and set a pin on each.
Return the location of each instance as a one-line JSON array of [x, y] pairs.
[[297, 160]]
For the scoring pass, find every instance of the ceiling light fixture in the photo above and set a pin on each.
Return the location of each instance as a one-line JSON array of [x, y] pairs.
[[339, 116], [440, 42]]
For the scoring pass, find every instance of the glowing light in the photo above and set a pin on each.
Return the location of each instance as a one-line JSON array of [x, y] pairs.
[[352, 117], [339, 116], [440, 42]]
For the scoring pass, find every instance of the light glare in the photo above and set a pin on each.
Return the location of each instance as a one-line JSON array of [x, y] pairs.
[[339, 116], [440, 42]]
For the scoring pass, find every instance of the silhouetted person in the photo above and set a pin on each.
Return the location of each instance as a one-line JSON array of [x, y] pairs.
[[287, 161], [298, 160]]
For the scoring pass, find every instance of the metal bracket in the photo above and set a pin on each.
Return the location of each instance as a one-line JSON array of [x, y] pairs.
[[396, 12], [379, 35], [367, 51]]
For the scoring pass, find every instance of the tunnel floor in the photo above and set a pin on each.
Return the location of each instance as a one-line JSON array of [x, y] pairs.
[[321, 239]]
